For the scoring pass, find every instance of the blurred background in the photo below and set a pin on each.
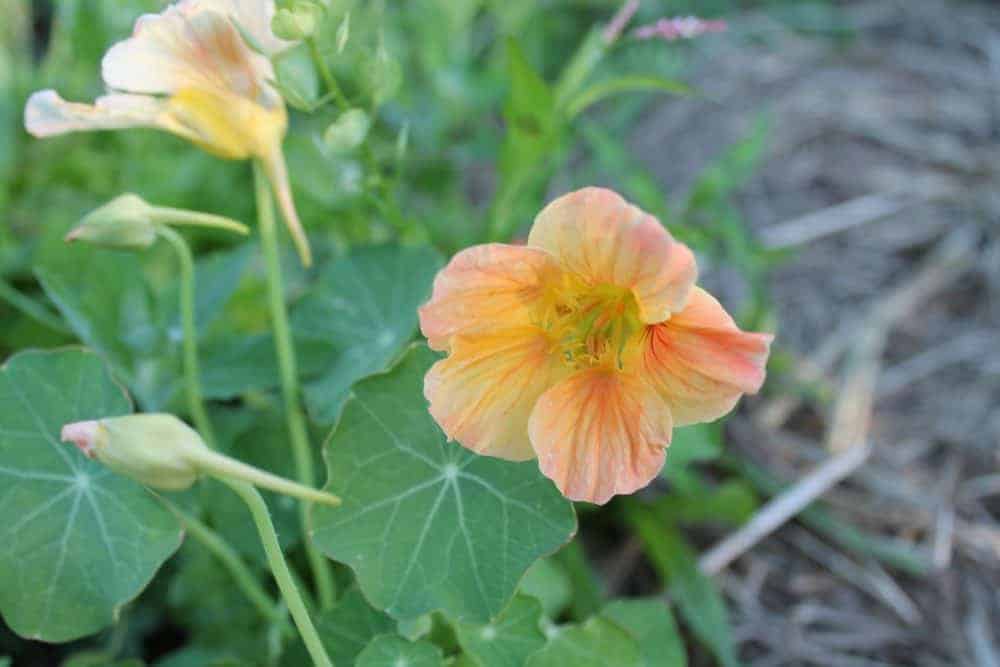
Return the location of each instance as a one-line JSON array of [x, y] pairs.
[[833, 164]]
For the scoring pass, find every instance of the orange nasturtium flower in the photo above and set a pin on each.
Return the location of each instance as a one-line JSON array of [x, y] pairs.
[[584, 348], [188, 70]]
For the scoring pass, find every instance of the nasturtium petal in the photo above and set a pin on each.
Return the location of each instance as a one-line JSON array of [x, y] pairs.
[[508, 640], [76, 541], [651, 623], [596, 643], [394, 651], [364, 306], [426, 524]]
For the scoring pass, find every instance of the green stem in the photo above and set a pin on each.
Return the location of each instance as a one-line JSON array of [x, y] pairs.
[[192, 373], [221, 466], [282, 575], [165, 215], [327, 75], [238, 570], [301, 451], [29, 307]]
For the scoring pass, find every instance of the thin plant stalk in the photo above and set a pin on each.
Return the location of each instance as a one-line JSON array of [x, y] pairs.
[[192, 372], [282, 575], [225, 554], [290, 389], [328, 78]]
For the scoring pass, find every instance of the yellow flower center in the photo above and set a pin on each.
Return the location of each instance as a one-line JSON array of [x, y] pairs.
[[227, 125], [591, 325]]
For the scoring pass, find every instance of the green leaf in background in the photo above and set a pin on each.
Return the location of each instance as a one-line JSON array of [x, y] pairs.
[[507, 641], [76, 541], [236, 364], [426, 524], [547, 582], [97, 659], [105, 298], [394, 651], [729, 503], [580, 66], [652, 625], [364, 307], [197, 656], [350, 626], [596, 643], [297, 78], [697, 443], [586, 584], [532, 136], [625, 84], [700, 604], [217, 276], [212, 611]]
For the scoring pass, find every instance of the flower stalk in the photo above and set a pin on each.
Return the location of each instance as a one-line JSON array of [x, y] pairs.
[[227, 556], [290, 389], [192, 370], [282, 575]]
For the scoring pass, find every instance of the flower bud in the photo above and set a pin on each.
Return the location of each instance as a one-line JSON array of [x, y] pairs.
[[156, 449], [347, 132], [298, 21], [124, 222], [385, 76], [162, 452]]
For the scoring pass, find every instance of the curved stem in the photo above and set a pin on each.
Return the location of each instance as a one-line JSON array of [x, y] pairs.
[[282, 575], [238, 570], [301, 451], [192, 372], [327, 75]]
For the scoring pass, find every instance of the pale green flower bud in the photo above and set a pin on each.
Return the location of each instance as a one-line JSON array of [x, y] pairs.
[[298, 21], [162, 452], [385, 76], [128, 221], [124, 222], [158, 450], [347, 132]]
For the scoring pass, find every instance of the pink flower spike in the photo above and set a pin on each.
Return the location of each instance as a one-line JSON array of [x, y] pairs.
[[82, 434], [679, 27]]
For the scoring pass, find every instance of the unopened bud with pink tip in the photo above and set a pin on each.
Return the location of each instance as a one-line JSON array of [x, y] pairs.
[[161, 451], [130, 222]]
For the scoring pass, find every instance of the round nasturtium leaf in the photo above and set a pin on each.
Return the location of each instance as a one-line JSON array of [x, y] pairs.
[[364, 306], [596, 643], [651, 624], [393, 651], [426, 524], [507, 641], [76, 540]]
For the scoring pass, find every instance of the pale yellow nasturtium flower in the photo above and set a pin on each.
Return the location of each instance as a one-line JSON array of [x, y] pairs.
[[584, 348], [189, 70]]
